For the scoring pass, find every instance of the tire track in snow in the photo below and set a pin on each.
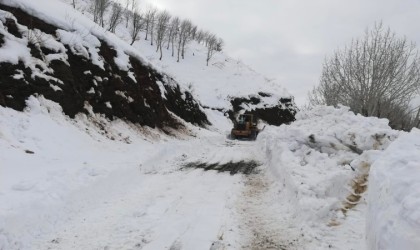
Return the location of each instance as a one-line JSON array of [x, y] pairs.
[[266, 222], [257, 225]]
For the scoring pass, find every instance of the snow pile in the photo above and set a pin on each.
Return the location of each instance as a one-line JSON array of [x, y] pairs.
[[393, 217], [319, 165]]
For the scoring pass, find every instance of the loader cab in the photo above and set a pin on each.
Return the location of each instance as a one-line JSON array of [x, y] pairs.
[[244, 119]]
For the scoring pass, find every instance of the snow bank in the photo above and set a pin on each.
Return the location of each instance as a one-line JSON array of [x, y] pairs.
[[315, 162], [393, 217]]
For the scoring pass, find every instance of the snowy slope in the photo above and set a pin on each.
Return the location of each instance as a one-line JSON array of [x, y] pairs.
[[229, 77]]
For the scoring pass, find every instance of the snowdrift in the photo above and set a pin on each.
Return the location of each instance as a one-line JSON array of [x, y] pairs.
[[393, 217], [319, 165]]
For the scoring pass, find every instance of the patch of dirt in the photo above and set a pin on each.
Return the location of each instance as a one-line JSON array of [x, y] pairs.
[[263, 229], [359, 187], [243, 167]]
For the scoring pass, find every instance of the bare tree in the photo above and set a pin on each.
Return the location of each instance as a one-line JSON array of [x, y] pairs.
[[152, 25], [136, 25], [115, 17], [219, 45], [173, 33], [211, 47], [74, 4], [186, 35], [193, 31], [200, 36], [376, 75], [162, 24], [149, 21], [99, 8], [183, 37], [127, 12]]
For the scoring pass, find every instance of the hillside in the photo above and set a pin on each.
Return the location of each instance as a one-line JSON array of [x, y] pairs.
[[80, 65], [104, 146]]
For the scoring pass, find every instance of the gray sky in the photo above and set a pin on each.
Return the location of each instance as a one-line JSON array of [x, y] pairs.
[[289, 39]]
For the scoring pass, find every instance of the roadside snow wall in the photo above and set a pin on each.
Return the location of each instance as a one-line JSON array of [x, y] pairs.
[[393, 217], [316, 161]]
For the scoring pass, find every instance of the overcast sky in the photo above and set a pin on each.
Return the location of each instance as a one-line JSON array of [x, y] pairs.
[[289, 39]]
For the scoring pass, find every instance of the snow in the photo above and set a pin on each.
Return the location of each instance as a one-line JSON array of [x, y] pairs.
[[14, 49], [81, 183], [312, 162], [85, 45], [84, 187], [393, 218], [234, 79]]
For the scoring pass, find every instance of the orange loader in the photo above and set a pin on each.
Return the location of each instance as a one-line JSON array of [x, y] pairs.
[[245, 127]]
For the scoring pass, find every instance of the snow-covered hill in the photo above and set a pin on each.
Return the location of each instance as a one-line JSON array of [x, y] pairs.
[[50, 49]]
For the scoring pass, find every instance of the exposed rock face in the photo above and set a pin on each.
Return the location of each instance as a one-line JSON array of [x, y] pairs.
[[78, 85], [186, 107], [283, 112]]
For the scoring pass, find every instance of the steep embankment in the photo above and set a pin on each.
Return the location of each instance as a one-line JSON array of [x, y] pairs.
[[82, 72], [50, 49]]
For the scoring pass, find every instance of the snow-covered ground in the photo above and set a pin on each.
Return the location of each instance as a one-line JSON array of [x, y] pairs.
[[67, 184]]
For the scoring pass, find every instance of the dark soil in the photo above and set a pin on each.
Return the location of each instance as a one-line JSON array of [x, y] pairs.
[[28, 21], [186, 108], [12, 27], [359, 187], [243, 167], [1, 40], [283, 113]]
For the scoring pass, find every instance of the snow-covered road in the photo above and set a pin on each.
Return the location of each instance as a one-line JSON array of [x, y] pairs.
[[79, 193], [137, 211], [176, 208]]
